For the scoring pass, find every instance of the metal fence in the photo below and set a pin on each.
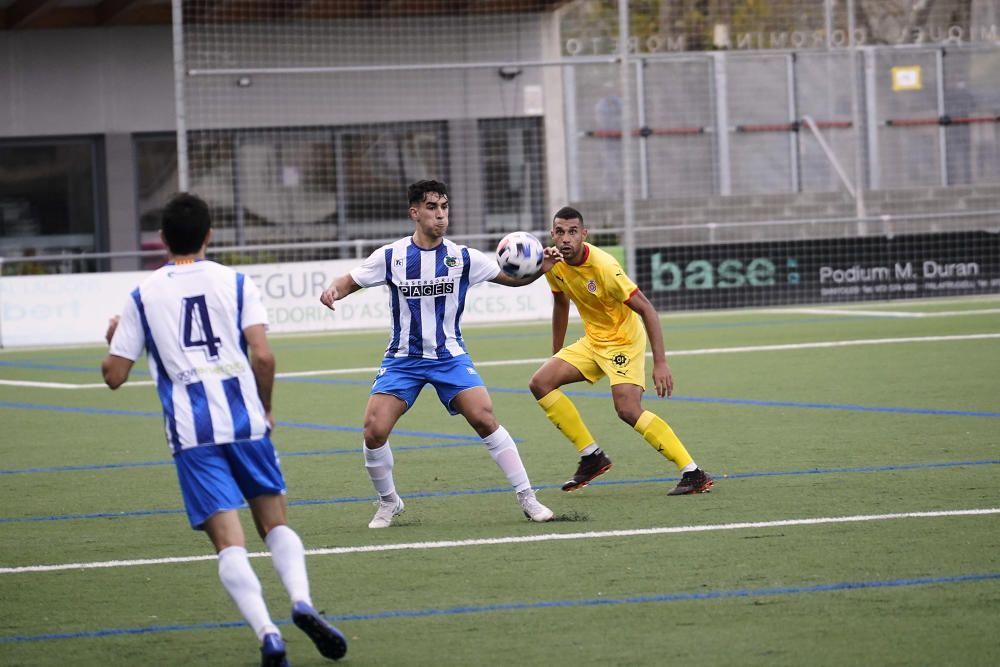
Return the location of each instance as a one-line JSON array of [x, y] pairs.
[[302, 125]]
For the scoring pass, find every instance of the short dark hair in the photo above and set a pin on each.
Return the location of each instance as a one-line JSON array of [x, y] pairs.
[[417, 191], [185, 223], [568, 213]]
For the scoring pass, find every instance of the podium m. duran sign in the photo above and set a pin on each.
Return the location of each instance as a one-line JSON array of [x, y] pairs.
[[821, 270]]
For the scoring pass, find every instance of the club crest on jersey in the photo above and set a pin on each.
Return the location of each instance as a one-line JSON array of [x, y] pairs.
[[450, 262], [592, 286]]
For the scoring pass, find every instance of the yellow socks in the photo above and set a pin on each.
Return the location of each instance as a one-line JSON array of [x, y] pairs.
[[663, 439], [565, 417]]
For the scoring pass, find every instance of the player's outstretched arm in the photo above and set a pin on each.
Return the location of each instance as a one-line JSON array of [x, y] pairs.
[[338, 289], [663, 379], [263, 364], [551, 257]]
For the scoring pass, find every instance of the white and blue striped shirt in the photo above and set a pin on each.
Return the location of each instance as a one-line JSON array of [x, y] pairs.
[[427, 291], [190, 320]]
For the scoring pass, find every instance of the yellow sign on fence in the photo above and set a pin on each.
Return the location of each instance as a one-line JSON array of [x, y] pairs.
[[907, 78]]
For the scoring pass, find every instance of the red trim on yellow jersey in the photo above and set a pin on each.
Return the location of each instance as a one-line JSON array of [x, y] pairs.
[[631, 294], [586, 254]]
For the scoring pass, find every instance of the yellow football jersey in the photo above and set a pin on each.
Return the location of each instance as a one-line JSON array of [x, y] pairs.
[[599, 288]]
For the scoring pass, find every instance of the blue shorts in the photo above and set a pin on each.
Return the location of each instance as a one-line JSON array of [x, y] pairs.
[[215, 478], [404, 377]]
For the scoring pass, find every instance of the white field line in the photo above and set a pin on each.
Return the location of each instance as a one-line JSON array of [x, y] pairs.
[[892, 313], [540, 360], [52, 385], [519, 539]]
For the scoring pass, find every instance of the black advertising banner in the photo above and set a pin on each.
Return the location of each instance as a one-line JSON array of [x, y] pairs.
[[820, 271]]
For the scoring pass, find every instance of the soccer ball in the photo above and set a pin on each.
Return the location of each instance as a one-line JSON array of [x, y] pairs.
[[519, 254]]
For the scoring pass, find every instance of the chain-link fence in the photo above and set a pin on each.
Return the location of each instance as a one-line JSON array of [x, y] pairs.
[[667, 124]]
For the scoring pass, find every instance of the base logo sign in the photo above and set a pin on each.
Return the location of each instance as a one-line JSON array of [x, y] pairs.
[[821, 270]]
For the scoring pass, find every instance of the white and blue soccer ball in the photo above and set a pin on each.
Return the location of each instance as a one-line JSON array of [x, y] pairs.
[[520, 254]]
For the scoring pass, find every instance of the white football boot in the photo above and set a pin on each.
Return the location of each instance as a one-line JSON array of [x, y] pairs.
[[386, 512], [533, 509]]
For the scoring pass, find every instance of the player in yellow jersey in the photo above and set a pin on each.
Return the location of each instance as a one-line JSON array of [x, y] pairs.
[[617, 317]]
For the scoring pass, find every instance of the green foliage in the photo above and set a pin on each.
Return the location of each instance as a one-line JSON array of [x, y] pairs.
[[238, 258]]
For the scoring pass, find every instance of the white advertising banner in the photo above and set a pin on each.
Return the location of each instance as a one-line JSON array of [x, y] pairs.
[[74, 309]]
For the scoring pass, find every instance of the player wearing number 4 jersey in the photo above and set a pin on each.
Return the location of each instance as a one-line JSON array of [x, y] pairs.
[[203, 327], [428, 277]]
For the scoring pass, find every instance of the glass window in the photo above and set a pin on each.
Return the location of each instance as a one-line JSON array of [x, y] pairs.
[[293, 184], [513, 159], [287, 184], [48, 196], [381, 161], [156, 181], [211, 167]]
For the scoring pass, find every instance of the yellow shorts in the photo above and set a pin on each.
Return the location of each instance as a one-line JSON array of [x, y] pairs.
[[621, 364]]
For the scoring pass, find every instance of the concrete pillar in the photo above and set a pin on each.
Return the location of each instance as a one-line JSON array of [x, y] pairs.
[[123, 221]]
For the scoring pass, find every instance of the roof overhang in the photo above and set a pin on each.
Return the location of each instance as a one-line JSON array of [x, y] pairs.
[[40, 14]]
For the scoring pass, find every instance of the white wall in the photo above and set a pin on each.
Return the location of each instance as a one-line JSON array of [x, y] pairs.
[[86, 81], [74, 309], [120, 79]]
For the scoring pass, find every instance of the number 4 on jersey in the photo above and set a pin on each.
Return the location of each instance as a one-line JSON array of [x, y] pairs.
[[196, 327]]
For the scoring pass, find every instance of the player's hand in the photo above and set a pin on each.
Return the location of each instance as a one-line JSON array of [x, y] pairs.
[[329, 295], [663, 379], [270, 419], [550, 257], [112, 327]]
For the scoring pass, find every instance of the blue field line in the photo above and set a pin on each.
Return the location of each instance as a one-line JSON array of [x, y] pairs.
[[542, 604], [82, 410], [149, 413], [778, 404], [37, 365], [809, 405], [720, 478], [90, 466], [319, 380], [839, 406], [316, 452]]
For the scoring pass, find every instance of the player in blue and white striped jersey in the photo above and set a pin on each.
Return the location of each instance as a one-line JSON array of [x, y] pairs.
[[428, 278], [203, 327]]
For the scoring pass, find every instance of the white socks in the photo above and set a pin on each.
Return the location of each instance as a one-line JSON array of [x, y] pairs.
[[378, 463], [504, 452], [241, 583], [288, 556]]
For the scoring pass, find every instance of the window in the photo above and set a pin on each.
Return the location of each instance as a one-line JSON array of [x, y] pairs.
[[513, 157], [380, 162], [49, 196]]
